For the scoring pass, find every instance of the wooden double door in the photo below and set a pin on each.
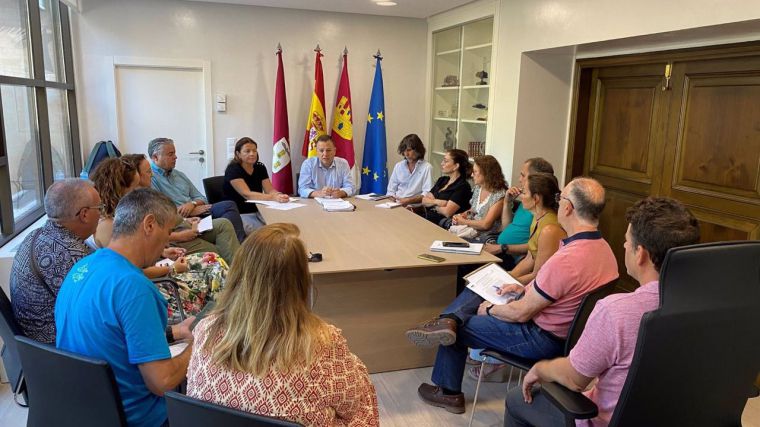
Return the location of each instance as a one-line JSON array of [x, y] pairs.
[[683, 124]]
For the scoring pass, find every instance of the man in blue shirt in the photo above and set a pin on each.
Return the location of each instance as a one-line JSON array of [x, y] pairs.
[[108, 309], [175, 184], [325, 175]]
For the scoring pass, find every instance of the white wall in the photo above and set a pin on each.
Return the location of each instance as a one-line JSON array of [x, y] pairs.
[[533, 91], [240, 42]]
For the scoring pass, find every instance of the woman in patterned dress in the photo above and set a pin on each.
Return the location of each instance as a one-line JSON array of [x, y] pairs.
[[263, 350]]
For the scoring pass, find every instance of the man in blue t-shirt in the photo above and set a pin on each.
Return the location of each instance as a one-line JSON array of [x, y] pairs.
[[108, 309]]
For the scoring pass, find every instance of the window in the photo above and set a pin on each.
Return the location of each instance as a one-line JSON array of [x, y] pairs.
[[39, 139]]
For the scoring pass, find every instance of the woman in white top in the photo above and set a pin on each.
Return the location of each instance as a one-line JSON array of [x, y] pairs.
[[411, 177]]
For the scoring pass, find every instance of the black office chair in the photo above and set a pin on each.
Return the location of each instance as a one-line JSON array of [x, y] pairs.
[[574, 333], [697, 355], [214, 188], [9, 328], [186, 411], [67, 389]]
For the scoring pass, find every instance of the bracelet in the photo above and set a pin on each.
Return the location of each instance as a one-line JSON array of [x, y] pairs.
[[172, 270], [504, 248], [488, 310]]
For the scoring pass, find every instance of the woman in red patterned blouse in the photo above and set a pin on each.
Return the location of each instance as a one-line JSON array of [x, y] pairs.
[[262, 350]]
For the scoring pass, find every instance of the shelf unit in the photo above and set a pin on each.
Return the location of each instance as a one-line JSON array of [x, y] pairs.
[[459, 98]]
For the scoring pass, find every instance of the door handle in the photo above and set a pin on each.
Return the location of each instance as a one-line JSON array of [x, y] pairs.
[[200, 152]]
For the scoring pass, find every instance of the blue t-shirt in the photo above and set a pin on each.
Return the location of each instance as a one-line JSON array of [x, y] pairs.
[[518, 232], [109, 310]]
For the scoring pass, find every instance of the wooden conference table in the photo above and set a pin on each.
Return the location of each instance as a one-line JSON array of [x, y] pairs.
[[370, 283]]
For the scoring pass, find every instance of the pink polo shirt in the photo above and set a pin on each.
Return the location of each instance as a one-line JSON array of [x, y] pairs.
[[583, 263], [605, 349]]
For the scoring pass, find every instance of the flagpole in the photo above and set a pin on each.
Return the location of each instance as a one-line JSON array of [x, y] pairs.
[[378, 56]]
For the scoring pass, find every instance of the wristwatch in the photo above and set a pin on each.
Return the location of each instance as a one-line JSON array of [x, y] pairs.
[[488, 310], [504, 248], [169, 335]]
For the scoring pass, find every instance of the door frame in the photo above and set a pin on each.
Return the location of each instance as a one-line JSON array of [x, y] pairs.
[[203, 66]]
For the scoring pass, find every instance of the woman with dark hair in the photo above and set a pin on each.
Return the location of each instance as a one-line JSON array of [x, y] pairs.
[[411, 177], [483, 218], [451, 193], [246, 178]]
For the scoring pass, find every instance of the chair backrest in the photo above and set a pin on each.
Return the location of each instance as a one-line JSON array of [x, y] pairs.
[[584, 311], [67, 389], [186, 411], [698, 354], [214, 188], [9, 328]]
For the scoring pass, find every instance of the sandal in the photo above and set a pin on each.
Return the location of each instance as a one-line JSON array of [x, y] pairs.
[[491, 373]]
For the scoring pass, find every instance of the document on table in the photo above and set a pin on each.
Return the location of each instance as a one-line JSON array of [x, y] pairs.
[[388, 205], [279, 206], [373, 196], [335, 205], [205, 224], [486, 280]]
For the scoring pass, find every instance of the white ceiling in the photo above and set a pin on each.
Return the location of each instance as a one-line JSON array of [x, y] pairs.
[[404, 8]]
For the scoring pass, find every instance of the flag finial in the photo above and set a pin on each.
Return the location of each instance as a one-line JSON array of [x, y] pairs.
[[377, 55], [345, 50], [279, 49], [318, 49]]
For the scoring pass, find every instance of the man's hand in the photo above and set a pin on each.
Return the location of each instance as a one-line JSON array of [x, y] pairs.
[[173, 253], [181, 265], [482, 308], [507, 288], [201, 210], [513, 193], [186, 209], [181, 331], [492, 248], [530, 379]]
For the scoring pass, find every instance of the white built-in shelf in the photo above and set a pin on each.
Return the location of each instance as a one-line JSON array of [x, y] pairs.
[[448, 52], [447, 88], [444, 119], [475, 87], [480, 46], [440, 153], [479, 122]]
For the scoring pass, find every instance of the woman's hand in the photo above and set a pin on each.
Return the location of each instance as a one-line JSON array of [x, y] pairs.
[[492, 248], [181, 265], [281, 198], [513, 193], [173, 253]]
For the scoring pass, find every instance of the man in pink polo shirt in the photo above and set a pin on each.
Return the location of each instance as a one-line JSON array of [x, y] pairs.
[[605, 350], [534, 325]]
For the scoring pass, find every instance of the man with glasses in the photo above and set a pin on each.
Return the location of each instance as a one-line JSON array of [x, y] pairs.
[[47, 254], [536, 323]]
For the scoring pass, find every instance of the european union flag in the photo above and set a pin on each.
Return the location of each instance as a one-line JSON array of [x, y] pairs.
[[374, 171]]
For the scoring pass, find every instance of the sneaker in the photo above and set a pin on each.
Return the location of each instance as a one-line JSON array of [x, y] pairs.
[[491, 373], [438, 331], [433, 395]]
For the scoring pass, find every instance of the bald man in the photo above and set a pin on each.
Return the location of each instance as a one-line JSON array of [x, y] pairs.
[[535, 325]]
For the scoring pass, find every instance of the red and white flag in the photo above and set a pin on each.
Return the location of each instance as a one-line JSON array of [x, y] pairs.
[[282, 172], [342, 128]]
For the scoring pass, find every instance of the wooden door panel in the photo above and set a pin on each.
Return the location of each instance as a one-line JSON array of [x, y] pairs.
[[720, 227], [613, 226]]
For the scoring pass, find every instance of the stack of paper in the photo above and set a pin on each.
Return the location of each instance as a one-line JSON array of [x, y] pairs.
[[388, 205], [373, 196], [474, 248], [335, 205], [277, 205]]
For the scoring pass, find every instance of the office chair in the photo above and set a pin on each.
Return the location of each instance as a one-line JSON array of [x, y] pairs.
[[67, 389], [9, 328], [213, 186], [697, 355], [574, 333], [186, 411]]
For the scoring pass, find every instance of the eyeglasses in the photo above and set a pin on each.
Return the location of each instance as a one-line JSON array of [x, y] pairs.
[[99, 207], [559, 196]]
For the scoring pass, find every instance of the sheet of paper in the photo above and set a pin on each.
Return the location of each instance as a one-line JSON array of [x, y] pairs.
[[388, 205], [285, 206], [272, 202], [205, 224], [177, 349], [166, 262], [486, 281]]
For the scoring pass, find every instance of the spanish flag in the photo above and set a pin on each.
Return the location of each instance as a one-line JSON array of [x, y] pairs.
[[315, 123], [342, 128]]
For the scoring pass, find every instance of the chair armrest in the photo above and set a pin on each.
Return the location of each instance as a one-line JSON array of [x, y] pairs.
[[571, 403], [516, 361]]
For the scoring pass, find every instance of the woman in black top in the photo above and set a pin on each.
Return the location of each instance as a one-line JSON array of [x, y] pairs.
[[451, 194], [247, 179]]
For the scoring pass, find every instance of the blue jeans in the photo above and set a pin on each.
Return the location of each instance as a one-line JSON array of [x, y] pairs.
[[521, 339], [228, 209], [540, 413]]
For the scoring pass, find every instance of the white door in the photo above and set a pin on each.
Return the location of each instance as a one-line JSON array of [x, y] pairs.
[[167, 102]]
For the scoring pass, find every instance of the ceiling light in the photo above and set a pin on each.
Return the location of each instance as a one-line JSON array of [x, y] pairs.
[[386, 3]]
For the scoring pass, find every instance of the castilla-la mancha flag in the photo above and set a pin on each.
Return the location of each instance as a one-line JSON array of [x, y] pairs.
[[316, 124], [282, 173], [342, 128]]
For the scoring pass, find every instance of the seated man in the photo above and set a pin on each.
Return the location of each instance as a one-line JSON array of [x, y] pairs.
[[325, 175], [47, 254], [536, 324], [605, 349], [411, 177], [220, 239], [175, 184], [109, 310]]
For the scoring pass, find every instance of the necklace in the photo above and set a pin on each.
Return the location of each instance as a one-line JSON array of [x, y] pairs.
[[538, 220]]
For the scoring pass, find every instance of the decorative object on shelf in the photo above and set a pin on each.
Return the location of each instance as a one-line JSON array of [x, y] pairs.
[[476, 148], [444, 114], [480, 106], [450, 80], [451, 141], [482, 75], [482, 119]]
